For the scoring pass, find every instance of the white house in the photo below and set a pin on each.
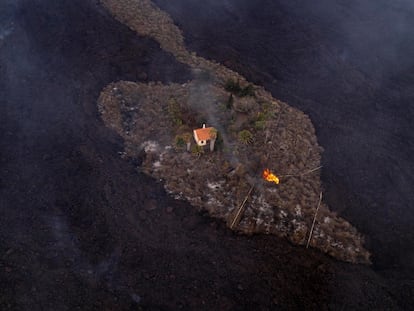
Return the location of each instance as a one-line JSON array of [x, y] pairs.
[[204, 135]]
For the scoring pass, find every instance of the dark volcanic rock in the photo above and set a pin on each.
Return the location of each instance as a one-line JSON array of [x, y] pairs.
[[71, 218], [350, 67]]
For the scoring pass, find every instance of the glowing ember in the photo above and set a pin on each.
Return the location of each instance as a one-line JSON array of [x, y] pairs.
[[269, 176]]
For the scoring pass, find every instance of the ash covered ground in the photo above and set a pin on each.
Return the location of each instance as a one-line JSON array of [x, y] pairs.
[[81, 229]]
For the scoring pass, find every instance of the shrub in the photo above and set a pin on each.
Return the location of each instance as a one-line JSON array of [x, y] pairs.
[[260, 125], [179, 141], [261, 116], [197, 150], [260, 122], [245, 137], [247, 91], [213, 133], [187, 139]]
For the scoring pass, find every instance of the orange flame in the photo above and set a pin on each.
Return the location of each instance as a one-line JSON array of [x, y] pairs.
[[269, 176]]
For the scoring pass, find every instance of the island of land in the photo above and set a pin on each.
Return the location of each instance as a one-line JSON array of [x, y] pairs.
[[248, 134]]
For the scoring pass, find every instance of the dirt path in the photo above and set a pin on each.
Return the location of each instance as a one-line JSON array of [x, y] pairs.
[[81, 229]]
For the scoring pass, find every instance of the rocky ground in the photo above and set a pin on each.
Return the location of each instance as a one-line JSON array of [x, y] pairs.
[[81, 229], [348, 66], [255, 132], [155, 119]]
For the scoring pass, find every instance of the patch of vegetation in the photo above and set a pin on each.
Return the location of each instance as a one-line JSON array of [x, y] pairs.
[[174, 111], [261, 116], [179, 142], [260, 121], [187, 137], [245, 137], [183, 141], [241, 121], [213, 133], [260, 125], [197, 150], [268, 110], [235, 88]]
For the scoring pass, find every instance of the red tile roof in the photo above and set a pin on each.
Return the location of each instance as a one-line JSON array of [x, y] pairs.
[[204, 133]]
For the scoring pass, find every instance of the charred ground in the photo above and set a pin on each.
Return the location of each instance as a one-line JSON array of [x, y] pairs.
[[80, 229], [347, 66]]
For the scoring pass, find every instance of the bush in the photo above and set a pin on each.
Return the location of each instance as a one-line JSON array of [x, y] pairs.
[[261, 116], [247, 91], [187, 137], [260, 125], [245, 137], [197, 150], [179, 142], [260, 122]]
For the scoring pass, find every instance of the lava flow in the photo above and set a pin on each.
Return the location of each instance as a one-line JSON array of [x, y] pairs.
[[269, 176]]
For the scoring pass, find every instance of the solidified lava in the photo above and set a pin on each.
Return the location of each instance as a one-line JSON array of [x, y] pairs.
[[153, 117], [81, 229]]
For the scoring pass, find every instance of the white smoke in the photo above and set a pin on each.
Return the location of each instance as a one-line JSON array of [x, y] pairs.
[[5, 32]]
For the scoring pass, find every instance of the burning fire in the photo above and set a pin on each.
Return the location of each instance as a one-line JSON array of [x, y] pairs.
[[269, 176]]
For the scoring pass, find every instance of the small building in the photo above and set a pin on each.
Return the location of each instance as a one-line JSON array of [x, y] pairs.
[[204, 135]]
